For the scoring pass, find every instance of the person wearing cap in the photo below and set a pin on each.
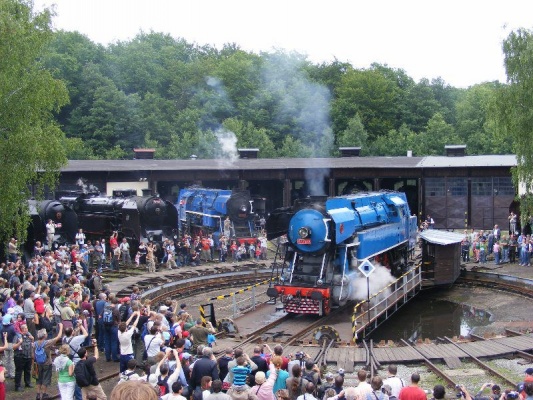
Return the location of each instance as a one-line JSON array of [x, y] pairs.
[[527, 379], [263, 387], [326, 385], [395, 382]]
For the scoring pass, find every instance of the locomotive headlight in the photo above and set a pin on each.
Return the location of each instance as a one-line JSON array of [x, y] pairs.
[[304, 232]]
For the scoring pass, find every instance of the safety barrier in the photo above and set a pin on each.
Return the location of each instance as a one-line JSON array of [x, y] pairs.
[[236, 305], [385, 302]]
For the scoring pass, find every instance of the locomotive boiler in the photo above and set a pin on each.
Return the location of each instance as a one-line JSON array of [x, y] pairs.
[[137, 218], [328, 239], [219, 211]]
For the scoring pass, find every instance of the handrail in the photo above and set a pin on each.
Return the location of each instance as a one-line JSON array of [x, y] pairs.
[[410, 280]]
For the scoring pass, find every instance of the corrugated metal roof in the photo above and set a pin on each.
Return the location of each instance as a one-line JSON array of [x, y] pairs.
[[441, 237], [505, 160], [292, 163], [242, 164]]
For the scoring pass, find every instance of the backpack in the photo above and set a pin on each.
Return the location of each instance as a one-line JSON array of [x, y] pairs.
[[310, 376], [126, 376], [163, 385], [40, 354], [82, 375], [90, 283], [123, 311], [144, 330], [107, 315], [25, 347], [45, 323]]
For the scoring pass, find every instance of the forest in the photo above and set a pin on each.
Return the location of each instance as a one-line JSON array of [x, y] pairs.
[[182, 98]]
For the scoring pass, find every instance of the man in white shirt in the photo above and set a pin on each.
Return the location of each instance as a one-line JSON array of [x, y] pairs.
[[396, 383], [125, 251], [363, 388], [152, 343], [50, 232]]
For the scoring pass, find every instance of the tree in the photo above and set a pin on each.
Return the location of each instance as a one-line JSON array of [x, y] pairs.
[[514, 108], [354, 135], [30, 139], [371, 95]]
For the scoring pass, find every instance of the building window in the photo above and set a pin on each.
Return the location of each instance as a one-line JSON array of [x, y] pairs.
[[482, 187], [435, 187], [457, 186], [504, 186]]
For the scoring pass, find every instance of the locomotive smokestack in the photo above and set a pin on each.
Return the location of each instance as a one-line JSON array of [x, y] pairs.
[[147, 192]]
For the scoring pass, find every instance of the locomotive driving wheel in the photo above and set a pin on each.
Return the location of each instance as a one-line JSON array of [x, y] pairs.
[[326, 333]]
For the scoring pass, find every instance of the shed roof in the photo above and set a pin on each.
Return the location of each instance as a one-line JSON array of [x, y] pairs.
[[442, 238]]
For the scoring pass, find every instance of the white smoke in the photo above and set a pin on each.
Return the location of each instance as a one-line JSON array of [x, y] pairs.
[[380, 278], [227, 152]]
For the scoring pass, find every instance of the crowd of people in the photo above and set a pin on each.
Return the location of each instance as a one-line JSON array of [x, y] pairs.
[[480, 246]]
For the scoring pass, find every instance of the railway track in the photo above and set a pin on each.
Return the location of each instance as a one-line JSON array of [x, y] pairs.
[[290, 330], [495, 281]]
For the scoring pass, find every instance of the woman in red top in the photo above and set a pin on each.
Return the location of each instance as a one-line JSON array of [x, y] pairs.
[[113, 242]]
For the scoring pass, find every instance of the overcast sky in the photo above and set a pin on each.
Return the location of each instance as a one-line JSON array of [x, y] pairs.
[[459, 41]]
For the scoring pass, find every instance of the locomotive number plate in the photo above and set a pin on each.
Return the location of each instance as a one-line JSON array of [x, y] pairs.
[[303, 241]]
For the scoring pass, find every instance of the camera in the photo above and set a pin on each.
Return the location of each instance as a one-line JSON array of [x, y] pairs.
[[512, 395]]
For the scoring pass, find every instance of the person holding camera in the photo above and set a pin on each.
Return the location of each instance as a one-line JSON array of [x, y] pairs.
[[74, 340], [299, 359], [495, 395]]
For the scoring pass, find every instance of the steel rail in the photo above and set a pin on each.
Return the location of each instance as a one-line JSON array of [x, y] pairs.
[[432, 366], [482, 364]]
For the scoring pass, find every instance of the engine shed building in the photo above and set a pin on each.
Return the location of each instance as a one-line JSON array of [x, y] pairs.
[[458, 191]]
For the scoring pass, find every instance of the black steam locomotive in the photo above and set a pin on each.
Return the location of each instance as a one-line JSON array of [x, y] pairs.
[[136, 218], [63, 217]]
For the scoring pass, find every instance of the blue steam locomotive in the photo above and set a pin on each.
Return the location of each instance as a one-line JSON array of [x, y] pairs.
[[327, 239], [219, 211]]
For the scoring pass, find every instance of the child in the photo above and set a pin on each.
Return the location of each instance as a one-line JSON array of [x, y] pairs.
[[241, 371]]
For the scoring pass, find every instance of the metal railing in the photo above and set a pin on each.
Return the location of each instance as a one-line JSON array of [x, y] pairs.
[[385, 302]]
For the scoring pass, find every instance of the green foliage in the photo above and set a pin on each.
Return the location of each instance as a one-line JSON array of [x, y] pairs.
[[371, 95], [513, 108], [30, 140], [354, 134], [166, 93]]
